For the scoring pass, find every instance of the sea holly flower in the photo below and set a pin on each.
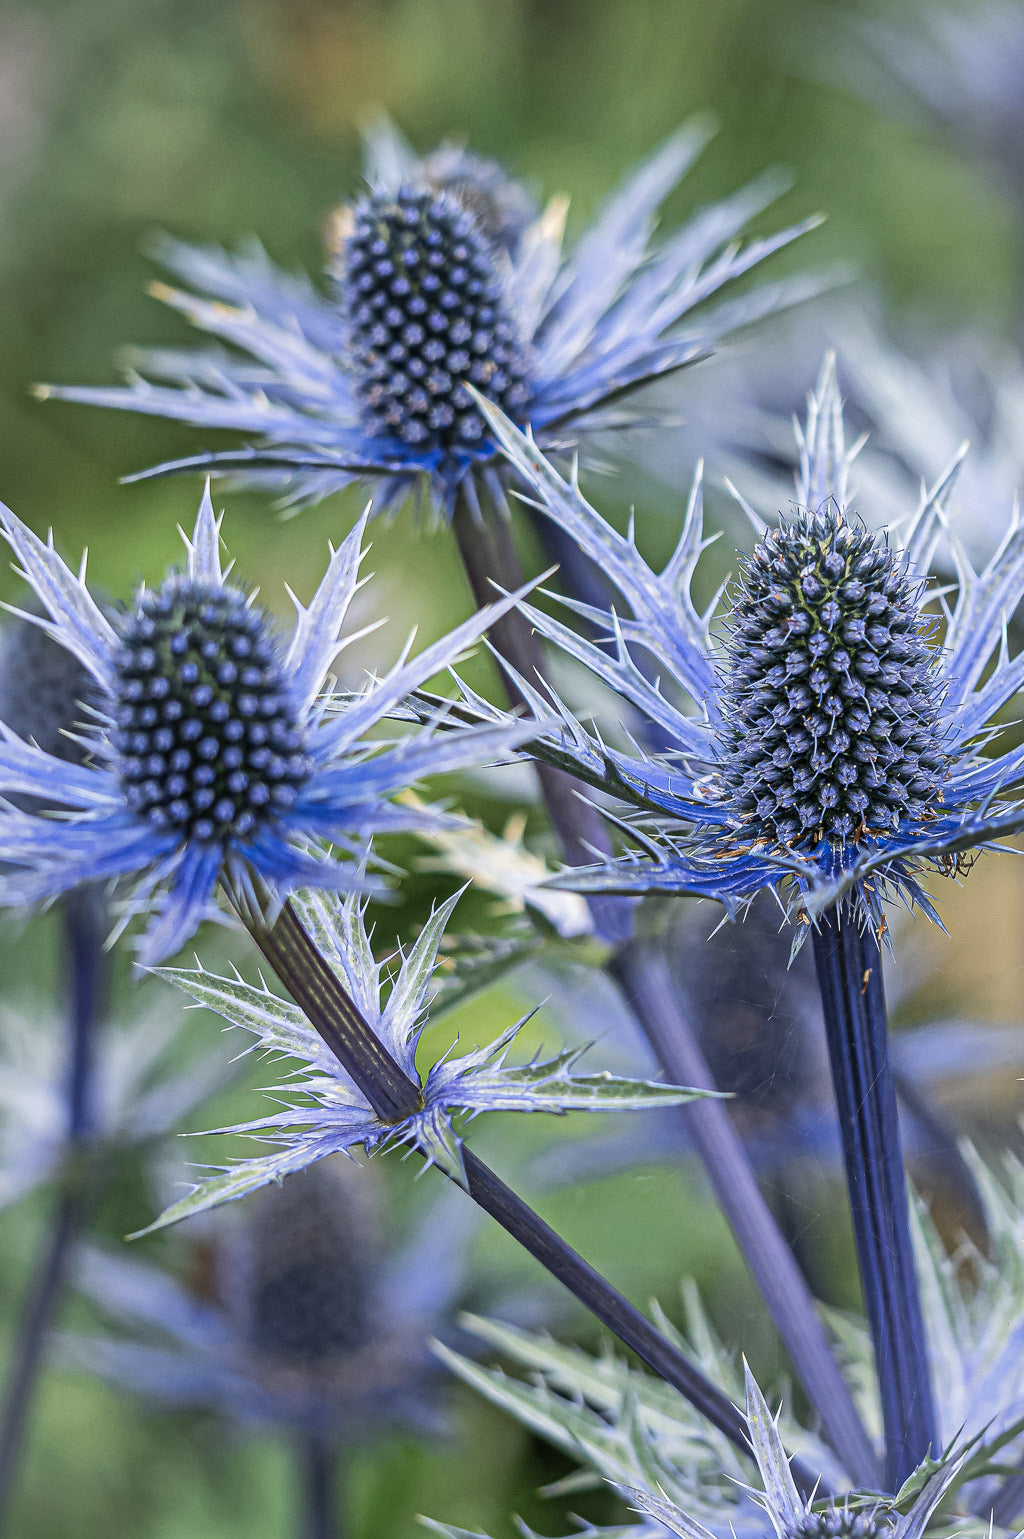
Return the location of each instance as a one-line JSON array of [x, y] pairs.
[[211, 758], [44, 690], [307, 1323], [441, 278], [958, 69], [831, 745], [793, 1517], [835, 755], [921, 401], [332, 1114]]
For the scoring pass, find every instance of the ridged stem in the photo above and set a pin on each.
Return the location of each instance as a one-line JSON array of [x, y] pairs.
[[646, 981], [83, 922], [489, 556], [488, 551], [853, 1001], [323, 999]]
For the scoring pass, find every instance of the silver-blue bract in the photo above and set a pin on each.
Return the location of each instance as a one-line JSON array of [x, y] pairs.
[[332, 1114], [442, 277], [211, 756], [919, 800], [675, 1475]]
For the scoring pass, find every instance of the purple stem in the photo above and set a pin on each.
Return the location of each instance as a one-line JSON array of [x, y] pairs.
[[853, 1000], [320, 994], [317, 1461]]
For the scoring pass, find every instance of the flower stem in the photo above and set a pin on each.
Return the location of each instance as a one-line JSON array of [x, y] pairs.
[[644, 976], [853, 1000], [322, 997], [85, 925], [488, 552], [487, 549], [317, 1468], [83, 919], [48, 1273]]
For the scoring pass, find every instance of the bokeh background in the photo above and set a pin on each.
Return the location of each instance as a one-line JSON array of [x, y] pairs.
[[120, 118]]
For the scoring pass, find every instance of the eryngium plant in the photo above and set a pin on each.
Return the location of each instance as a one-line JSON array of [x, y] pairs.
[[211, 758], [831, 746], [443, 276], [837, 755]]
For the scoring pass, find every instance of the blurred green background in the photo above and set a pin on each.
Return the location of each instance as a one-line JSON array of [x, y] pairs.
[[214, 122]]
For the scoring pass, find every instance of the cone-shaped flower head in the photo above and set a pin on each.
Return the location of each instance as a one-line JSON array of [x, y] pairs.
[[444, 276], [839, 1523], [789, 1515], [211, 757], [209, 743], [831, 701], [426, 311], [831, 742], [674, 1472]]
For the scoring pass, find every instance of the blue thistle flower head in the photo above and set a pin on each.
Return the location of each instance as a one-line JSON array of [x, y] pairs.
[[418, 281], [444, 277], [213, 757], [831, 724], [831, 744], [289, 1314]]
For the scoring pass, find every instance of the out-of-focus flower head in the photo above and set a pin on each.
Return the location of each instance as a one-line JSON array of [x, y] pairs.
[[210, 757], [331, 1114], [920, 399], [44, 689], [441, 276], [293, 1311], [830, 745], [140, 1093]]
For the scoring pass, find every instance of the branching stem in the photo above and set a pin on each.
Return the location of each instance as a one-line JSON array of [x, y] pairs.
[[322, 996]]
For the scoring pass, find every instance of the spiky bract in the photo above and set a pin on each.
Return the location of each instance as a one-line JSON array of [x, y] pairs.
[[331, 1114], [211, 757], [834, 745], [447, 276]]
